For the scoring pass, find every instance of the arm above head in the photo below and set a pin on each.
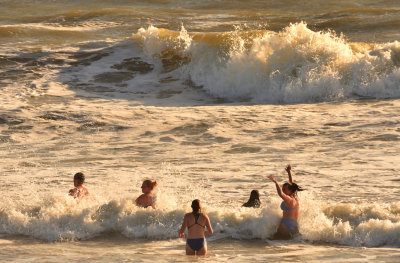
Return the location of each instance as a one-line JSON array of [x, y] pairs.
[[181, 232], [209, 231], [289, 171], [279, 189]]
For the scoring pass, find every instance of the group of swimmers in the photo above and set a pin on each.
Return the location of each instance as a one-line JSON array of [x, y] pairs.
[[198, 223]]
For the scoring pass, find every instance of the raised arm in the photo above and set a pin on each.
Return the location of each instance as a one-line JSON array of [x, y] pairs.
[[209, 231], [279, 189], [183, 227], [289, 172]]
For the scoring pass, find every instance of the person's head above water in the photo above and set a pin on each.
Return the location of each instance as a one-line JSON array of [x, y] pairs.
[[254, 200], [79, 179], [254, 195], [291, 188], [196, 206], [148, 186]]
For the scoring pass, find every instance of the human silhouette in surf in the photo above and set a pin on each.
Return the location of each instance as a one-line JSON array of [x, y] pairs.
[[196, 222], [290, 207], [254, 200], [79, 191], [148, 198]]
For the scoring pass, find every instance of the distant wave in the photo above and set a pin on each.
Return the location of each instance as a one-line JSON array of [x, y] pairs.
[[292, 66], [51, 29], [61, 218]]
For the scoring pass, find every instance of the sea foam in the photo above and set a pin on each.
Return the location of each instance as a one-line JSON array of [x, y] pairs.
[[291, 66], [61, 218]]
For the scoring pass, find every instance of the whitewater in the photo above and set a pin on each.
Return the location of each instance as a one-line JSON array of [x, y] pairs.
[[209, 99]]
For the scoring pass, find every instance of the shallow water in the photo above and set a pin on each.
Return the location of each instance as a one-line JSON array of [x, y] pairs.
[[209, 98]]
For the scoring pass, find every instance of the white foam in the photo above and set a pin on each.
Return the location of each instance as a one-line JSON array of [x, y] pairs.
[[294, 65], [59, 217]]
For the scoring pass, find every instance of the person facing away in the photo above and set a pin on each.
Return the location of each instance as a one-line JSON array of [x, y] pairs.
[[196, 222], [288, 226], [79, 191], [148, 198], [254, 200]]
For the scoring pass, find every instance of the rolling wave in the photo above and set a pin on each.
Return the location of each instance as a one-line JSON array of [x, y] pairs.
[[295, 65], [61, 218]]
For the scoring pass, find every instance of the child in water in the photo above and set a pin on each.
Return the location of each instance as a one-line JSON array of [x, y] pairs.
[[148, 198], [79, 191]]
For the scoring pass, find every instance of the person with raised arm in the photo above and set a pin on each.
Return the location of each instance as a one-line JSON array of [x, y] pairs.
[[196, 222], [288, 226]]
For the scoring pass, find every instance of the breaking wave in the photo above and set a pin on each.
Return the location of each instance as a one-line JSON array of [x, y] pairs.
[[61, 218], [292, 66]]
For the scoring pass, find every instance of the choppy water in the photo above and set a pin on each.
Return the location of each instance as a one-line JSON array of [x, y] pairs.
[[208, 98]]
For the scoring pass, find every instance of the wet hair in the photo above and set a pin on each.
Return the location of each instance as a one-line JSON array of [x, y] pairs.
[[196, 206], [254, 200], [80, 177], [293, 187], [150, 184]]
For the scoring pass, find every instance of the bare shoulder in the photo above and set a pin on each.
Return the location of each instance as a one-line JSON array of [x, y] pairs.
[[187, 215], [143, 197], [205, 216]]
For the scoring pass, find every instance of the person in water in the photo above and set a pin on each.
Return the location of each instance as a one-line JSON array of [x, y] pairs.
[[148, 198], [254, 200], [290, 207], [79, 191], [196, 222]]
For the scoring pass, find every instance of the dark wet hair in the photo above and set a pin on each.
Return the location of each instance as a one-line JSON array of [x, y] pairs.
[[254, 200], [80, 177], [150, 184], [196, 206], [293, 187]]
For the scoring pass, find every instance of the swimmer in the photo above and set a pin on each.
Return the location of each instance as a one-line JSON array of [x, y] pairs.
[[148, 198], [290, 206], [254, 200], [196, 222], [79, 191]]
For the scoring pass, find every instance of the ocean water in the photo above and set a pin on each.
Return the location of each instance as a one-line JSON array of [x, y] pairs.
[[209, 98]]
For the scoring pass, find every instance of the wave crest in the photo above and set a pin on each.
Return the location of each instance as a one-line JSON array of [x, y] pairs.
[[291, 66], [61, 218]]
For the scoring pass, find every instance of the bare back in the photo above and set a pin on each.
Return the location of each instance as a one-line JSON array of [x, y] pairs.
[[196, 229], [78, 192]]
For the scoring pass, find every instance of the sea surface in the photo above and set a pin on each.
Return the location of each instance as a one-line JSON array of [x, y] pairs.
[[209, 98]]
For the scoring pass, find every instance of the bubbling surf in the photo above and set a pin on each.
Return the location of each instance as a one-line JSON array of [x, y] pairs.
[[62, 218], [292, 66]]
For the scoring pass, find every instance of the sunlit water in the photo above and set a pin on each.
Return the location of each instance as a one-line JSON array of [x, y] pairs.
[[209, 98]]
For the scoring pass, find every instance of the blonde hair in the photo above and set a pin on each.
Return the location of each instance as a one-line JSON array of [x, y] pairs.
[[150, 184]]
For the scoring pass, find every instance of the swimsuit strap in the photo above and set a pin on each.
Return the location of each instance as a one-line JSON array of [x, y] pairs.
[[153, 199], [196, 217]]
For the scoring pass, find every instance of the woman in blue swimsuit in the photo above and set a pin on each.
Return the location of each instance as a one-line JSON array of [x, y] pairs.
[[196, 222], [290, 207]]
